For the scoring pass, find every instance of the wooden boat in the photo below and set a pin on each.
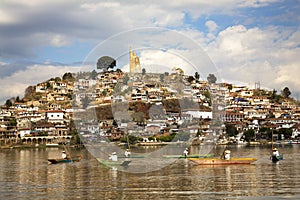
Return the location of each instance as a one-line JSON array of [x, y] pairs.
[[114, 163], [61, 160], [219, 161], [189, 156]]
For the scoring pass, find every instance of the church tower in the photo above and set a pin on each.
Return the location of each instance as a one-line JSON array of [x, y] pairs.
[[134, 62]]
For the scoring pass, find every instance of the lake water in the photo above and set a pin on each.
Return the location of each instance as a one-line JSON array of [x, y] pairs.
[[26, 174]]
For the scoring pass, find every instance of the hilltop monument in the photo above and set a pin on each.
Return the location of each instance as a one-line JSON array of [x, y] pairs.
[[134, 65]]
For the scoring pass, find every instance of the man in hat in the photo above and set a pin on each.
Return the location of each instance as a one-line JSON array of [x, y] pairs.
[[186, 152], [64, 155], [275, 152], [113, 156], [127, 153]]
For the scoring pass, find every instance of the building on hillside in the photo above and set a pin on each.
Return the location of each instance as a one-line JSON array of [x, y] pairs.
[[55, 116]]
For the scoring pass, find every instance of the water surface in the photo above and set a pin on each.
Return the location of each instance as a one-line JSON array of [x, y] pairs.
[[26, 174]]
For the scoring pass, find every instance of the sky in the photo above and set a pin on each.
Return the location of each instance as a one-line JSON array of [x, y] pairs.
[[242, 41]]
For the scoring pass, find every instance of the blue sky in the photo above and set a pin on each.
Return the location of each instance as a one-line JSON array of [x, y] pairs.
[[248, 41]]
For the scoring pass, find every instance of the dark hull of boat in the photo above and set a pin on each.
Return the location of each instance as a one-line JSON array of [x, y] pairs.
[[189, 156], [60, 160]]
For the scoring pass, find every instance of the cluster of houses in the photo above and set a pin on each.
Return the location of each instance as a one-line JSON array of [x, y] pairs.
[[145, 105]]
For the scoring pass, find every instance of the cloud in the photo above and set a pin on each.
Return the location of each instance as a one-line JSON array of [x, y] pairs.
[[242, 42], [59, 23], [268, 56], [16, 83]]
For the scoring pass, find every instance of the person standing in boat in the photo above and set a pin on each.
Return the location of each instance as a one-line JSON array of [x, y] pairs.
[[127, 153], [64, 155], [275, 152], [226, 155], [186, 152], [113, 156]]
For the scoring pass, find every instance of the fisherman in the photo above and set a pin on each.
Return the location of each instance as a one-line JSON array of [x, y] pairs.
[[226, 155], [275, 152], [113, 156], [64, 155], [127, 153], [186, 152]]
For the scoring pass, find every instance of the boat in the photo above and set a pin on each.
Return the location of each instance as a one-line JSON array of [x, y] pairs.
[[61, 160], [189, 156], [219, 161], [111, 163]]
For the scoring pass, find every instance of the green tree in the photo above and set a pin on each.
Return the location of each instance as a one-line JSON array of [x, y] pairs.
[[286, 92], [93, 75], [106, 62], [57, 79], [18, 99], [190, 79], [161, 77], [249, 135], [68, 76], [197, 76], [274, 98], [211, 78], [231, 130], [8, 103], [13, 122], [285, 132], [29, 92], [229, 87]]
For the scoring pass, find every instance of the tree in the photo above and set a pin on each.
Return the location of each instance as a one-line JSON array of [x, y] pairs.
[[143, 71], [29, 92], [211, 78], [231, 130], [161, 77], [249, 135], [106, 62], [197, 76], [68, 76], [285, 132], [274, 98], [57, 79], [18, 99], [8, 103], [93, 75], [190, 79], [286, 92], [229, 87]]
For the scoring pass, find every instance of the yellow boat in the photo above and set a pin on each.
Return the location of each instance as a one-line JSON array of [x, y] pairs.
[[219, 161]]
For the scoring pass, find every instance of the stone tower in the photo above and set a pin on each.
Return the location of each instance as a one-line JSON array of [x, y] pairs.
[[134, 62]]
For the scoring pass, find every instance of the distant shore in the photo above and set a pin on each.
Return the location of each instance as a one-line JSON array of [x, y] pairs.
[[20, 146]]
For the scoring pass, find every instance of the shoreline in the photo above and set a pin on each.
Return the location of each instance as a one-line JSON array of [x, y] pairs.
[[21, 146]]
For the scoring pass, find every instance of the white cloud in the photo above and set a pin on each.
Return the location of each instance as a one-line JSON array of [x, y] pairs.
[[269, 56], [15, 84]]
